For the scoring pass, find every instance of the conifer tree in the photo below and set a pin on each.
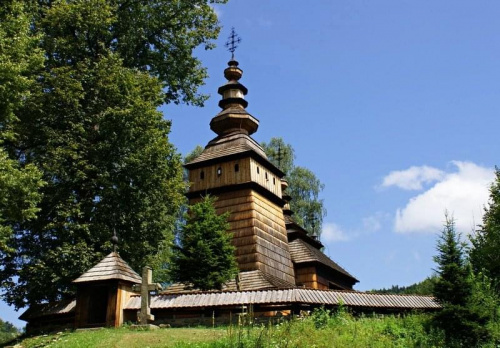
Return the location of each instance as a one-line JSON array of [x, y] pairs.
[[204, 257], [461, 324], [485, 251]]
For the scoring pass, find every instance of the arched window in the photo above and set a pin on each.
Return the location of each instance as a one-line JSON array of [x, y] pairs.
[[219, 171]]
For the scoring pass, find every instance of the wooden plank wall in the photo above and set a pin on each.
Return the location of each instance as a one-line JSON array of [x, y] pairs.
[[249, 170], [259, 233], [124, 293], [265, 178], [227, 177]]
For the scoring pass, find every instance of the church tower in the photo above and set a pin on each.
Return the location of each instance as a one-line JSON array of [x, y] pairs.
[[234, 167]]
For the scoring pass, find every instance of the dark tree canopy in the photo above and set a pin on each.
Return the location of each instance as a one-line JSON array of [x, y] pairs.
[[86, 116], [304, 186], [204, 257]]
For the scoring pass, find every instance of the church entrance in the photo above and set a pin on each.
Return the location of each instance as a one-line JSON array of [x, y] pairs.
[[98, 306]]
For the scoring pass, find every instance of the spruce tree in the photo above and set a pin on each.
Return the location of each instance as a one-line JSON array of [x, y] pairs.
[[461, 324], [485, 251], [204, 257]]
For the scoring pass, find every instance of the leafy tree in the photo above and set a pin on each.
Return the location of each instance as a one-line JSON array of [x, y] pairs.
[[462, 325], [204, 256], [90, 124], [19, 196], [304, 186], [7, 332], [19, 59], [193, 154], [484, 254], [280, 154]]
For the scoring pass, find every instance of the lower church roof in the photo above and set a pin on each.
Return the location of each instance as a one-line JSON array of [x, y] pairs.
[[302, 252], [284, 297], [251, 280]]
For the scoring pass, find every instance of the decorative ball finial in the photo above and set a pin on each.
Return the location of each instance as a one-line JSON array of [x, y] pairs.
[[114, 240], [232, 43]]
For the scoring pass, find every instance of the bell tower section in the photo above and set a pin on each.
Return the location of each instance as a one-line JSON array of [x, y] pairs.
[[234, 167]]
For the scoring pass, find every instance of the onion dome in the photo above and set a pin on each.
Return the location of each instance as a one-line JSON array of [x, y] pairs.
[[233, 118]]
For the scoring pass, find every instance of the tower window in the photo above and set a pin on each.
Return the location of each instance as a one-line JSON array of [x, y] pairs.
[[236, 167], [202, 175], [258, 170], [219, 171]]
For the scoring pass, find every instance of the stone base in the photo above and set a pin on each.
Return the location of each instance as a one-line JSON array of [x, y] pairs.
[[144, 327]]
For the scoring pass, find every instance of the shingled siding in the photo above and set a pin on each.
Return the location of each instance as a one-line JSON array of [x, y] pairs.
[[259, 233]]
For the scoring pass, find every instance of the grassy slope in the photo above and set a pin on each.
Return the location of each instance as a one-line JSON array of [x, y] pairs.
[[124, 338], [340, 330]]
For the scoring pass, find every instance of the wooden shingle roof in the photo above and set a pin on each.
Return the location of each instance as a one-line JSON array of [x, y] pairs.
[[284, 297], [251, 280], [49, 309], [111, 267], [302, 252]]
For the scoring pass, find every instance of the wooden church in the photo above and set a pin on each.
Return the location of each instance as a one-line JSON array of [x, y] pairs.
[[282, 269]]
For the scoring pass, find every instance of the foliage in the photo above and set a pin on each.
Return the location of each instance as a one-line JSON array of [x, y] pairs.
[[7, 332], [484, 255], [304, 186], [462, 325], [88, 121], [281, 154], [204, 256], [193, 154], [424, 287], [19, 196]]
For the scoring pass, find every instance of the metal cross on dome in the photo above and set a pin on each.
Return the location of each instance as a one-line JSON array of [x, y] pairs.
[[232, 42]]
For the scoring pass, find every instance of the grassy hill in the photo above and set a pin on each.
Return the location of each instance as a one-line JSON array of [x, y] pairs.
[[318, 330]]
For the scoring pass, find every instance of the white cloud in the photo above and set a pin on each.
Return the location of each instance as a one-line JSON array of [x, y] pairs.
[[333, 233], [462, 193], [413, 177]]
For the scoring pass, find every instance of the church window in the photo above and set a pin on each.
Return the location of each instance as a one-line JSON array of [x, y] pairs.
[[219, 171], [202, 175], [236, 167]]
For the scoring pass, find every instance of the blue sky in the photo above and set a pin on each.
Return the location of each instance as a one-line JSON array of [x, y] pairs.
[[393, 104]]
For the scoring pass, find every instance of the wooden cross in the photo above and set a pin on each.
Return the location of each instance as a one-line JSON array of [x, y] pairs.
[[145, 289]]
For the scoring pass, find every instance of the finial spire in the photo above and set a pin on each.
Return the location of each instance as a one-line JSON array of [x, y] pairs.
[[114, 240], [232, 42]]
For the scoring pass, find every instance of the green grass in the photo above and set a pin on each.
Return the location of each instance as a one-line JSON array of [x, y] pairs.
[[321, 329], [124, 338]]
